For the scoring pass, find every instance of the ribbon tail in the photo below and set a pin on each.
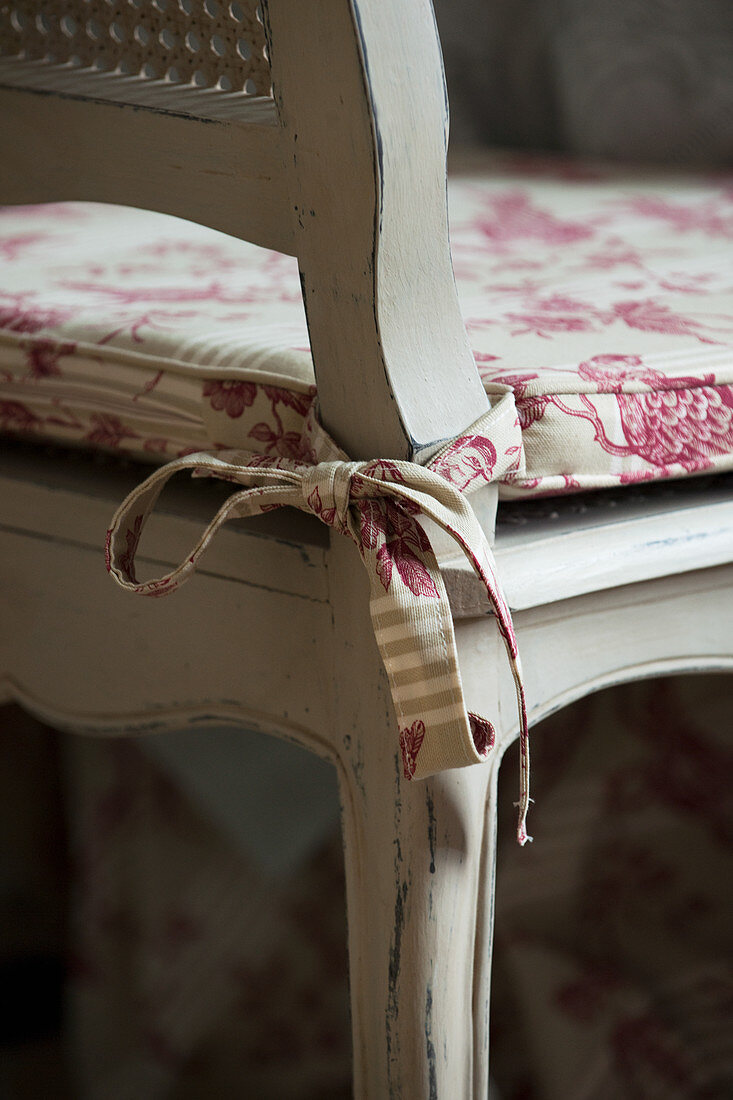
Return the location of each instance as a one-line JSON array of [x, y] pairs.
[[413, 628], [484, 565], [451, 511]]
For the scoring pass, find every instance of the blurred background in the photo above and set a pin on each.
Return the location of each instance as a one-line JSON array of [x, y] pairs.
[[634, 80]]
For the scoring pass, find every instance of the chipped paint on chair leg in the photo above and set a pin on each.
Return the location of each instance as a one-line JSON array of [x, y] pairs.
[[418, 868]]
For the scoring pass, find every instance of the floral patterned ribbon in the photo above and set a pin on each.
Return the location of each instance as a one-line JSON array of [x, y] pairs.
[[378, 504]]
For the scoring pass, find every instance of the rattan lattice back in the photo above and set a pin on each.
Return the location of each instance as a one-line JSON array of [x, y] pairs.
[[210, 43]]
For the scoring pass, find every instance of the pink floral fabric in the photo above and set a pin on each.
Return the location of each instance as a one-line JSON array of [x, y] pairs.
[[193, 971], [601, 301], [612, 965], [381, 506]]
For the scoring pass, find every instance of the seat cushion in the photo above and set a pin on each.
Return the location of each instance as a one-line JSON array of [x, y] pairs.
[[603, 300]]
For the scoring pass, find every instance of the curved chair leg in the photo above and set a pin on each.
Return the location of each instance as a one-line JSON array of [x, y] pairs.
[[419, 872]]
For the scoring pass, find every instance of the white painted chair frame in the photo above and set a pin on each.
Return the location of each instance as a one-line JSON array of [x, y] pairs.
[[350, 177]]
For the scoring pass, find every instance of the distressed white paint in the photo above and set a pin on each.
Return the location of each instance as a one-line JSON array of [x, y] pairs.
[[360, 92], [224, 172], [274, 633], [614, 542]]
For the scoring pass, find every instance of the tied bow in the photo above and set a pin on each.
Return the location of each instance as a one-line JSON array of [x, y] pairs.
[[379, 505]]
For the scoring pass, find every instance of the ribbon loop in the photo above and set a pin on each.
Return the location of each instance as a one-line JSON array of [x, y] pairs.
[[379, 504]]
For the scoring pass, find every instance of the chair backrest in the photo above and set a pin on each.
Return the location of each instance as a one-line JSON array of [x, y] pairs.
[[167, 105]]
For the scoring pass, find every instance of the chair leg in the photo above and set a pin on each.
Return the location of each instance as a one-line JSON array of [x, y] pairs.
[[419, 872]]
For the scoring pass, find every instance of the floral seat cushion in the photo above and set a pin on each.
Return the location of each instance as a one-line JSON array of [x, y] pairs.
[[602, 301]]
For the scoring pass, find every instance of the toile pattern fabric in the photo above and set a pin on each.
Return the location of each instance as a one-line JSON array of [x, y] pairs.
[[599, 300], [381, 506], [194, 971], [613, 972]]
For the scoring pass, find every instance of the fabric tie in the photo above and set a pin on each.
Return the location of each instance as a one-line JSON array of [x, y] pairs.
[[378, 504]]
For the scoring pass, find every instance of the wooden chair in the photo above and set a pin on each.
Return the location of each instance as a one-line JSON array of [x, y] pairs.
[[344, 168]]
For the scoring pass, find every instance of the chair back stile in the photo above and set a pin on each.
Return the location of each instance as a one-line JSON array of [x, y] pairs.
[[344, 167], [208, 43], [361, 95]]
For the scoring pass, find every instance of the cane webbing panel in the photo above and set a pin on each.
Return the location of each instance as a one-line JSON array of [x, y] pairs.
[[209, 43]]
